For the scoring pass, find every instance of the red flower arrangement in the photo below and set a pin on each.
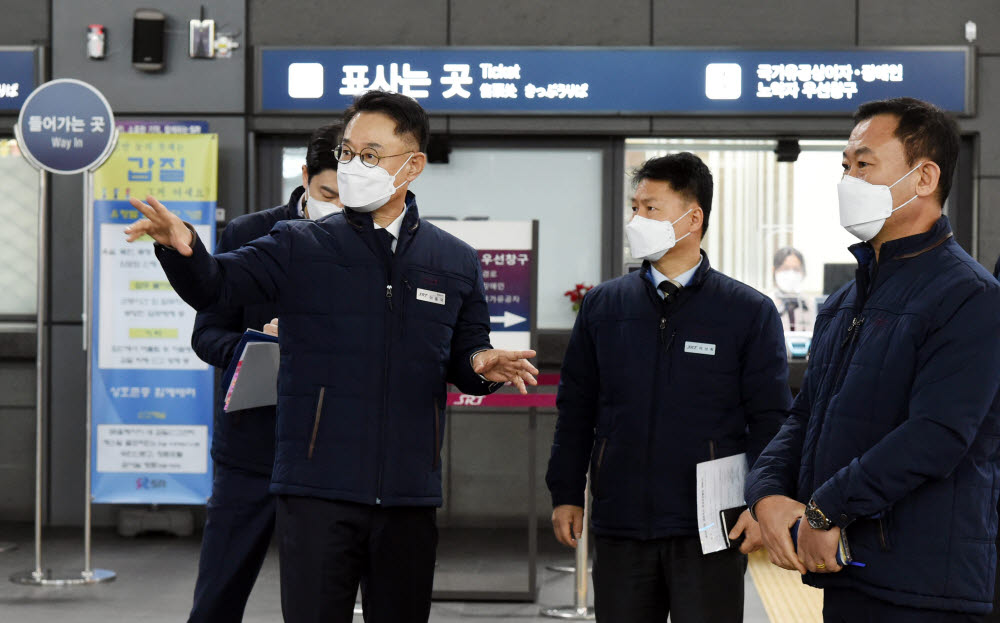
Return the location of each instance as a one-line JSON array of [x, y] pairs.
[[576, 295]]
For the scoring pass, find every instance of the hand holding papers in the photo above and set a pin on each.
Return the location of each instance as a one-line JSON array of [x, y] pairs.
[[719, 487], [252, 376]]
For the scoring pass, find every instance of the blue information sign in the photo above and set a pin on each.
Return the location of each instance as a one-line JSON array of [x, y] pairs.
[[66, 126], [614, 80], [17, 77], [151, 395]]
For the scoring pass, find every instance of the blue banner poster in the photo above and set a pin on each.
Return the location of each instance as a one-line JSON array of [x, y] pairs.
[[152, 396]]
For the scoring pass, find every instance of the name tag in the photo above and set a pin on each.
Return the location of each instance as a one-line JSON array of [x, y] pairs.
[[698, 348], [430, 296]]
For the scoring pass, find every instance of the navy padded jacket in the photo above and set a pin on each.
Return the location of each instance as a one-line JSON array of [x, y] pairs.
[[896, 430], [364, 357], [650, 389]]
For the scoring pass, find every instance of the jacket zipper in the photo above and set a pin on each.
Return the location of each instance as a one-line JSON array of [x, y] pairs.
[[667, 342], [650, 430], [853, 330], [665, 315], [437, 436], [319, 413], [385, 385], [597, 467], [850, 342]]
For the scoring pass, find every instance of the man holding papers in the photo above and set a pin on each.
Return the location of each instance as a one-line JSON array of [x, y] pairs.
[[667, 367], [378, 310], [894, 437], [240, 515]]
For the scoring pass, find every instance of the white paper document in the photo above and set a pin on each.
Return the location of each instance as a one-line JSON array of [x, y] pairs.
[[719, 486]]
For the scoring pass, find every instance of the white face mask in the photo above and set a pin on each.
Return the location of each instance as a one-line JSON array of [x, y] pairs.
[[650, 239], [366, 189], [788, 280], [318, 209], [865, 207]]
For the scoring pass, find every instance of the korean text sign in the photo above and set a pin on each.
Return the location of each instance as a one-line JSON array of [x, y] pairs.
[[152, 396], [66, 126], [614, 80]]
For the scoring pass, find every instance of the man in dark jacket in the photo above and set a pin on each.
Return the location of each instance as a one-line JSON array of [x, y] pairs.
[[378, 310], [667, 367], [240, 515], [893, 440]]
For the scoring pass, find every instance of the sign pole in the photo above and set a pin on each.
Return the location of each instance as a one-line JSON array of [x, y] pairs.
[[40, 361], [54, 139], [90, 576], [579, 611], [88, 267]]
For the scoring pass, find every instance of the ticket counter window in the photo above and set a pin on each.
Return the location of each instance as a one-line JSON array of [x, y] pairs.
[[761, 207], [560, 187], [19, 236]]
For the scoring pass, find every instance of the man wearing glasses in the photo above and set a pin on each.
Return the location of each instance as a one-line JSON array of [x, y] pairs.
[[378, 310]]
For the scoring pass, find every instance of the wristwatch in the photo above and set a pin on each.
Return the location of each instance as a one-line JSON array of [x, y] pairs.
[[816, 518]]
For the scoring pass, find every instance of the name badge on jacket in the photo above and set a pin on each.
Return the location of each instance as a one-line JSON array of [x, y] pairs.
[[430, 296], [699, 348]]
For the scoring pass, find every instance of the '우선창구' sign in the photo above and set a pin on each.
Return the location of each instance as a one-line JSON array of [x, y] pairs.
[[507, 255]]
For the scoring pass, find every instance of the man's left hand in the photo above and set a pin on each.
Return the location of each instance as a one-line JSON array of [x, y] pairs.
[[506, 366], [750, 529], [818, 548]]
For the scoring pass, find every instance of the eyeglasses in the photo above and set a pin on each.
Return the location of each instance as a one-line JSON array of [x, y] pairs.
[[368, 156]]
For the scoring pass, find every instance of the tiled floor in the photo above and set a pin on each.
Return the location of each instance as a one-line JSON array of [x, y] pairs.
[[156, 578]]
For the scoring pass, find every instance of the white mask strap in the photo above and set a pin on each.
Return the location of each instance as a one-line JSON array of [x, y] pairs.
[[903, 178], [398, 170], [682, 216], [677, 221], [905, 202], [907, 175]]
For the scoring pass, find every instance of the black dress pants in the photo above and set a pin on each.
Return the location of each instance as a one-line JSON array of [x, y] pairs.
[[239, 522], [326, 547], [644, 581]]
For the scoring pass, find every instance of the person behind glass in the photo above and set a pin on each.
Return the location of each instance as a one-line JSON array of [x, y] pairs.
[[378, 309], [894, 438], [239, 520], [797, 314], [666, 367]]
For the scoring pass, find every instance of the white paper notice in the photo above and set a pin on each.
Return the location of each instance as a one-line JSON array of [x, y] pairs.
[[143, 324], [720, 486], [158, 449]]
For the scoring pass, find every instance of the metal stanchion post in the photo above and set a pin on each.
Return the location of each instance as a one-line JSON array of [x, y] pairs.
[[89, 575], [39, 576], [579, 611]]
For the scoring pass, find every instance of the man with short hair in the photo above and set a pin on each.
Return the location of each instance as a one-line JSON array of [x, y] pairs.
[[893, 442], [667, 367], [239, 517], [379, 309]]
